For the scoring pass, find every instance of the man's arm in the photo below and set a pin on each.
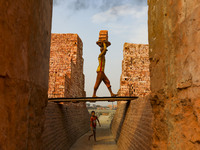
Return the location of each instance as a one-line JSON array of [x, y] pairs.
[[98, 122], [104, 50]]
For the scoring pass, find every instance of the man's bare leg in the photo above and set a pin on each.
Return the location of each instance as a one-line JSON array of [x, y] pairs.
[[98, 82], [91, 135], [111, 93], [94, 93], [107, 83], [94, 136]]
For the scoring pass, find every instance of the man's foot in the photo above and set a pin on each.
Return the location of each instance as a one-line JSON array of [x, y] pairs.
[[113, 95], [94, 96]]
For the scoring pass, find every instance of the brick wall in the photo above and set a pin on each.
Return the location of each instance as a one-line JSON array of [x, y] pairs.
[[132, 123], [66, 66], [135, 78], [65, 123]]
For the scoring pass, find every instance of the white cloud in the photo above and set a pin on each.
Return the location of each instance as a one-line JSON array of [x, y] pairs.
[[113, 14], [139, 36], [133, 33]]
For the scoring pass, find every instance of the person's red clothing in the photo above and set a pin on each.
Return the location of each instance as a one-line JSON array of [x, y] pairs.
[[93, 121]]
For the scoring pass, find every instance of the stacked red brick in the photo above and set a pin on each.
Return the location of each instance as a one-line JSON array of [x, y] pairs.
[[132, 123], [135, 78], [65, 123], [103, 35], [66, 78]]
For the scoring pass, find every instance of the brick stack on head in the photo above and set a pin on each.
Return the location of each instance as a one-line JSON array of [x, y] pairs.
[[103, 37]]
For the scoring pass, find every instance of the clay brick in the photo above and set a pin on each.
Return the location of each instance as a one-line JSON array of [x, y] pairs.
[[65, 123], [135, 78], [132, 123], [135, 131], [66, 78]]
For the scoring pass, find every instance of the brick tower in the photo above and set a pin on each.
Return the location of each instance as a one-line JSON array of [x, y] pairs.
[[66, 78], [135, 78]]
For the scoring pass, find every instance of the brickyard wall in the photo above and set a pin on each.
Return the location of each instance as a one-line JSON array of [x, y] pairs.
[[132, 123], [66, 66], [25, 33], [135, 78], [65, 122], [174, 39]]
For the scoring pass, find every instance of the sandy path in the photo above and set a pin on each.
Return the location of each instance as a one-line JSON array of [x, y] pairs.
[[105, 139]]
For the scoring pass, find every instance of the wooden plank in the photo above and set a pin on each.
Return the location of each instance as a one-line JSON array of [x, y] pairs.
[[92, 99]]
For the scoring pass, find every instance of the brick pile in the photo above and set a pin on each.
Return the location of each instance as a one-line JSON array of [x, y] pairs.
[[132, 123], [103, 37], [65, 123], [135, 78], [66, 78]]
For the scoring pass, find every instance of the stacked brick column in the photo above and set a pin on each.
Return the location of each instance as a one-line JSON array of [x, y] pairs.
[[66, 78], [65, 123], [135, 80], [132, 123]]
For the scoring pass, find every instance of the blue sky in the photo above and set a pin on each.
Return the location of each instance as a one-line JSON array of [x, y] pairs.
[[126, 21]]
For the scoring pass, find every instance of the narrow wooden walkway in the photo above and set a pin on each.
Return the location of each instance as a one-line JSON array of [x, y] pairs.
[[91, 99]]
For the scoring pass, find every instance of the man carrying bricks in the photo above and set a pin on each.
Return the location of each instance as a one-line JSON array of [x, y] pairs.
[[103, 43]]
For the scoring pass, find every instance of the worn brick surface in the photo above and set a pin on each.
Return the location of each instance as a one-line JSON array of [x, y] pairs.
[[66, 78], [135, 78], [132, 123], [174, 41], [65, 123], [25, 31]]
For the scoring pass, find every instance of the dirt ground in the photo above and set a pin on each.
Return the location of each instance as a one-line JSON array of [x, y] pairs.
[[105, 140]]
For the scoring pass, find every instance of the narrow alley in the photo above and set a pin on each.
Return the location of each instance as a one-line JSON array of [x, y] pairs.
[[104, 141]]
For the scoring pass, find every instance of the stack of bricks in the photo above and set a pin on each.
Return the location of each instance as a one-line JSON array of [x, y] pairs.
[[103, 35], [135, 78], [66, 78], [132, 123], [65, 123]]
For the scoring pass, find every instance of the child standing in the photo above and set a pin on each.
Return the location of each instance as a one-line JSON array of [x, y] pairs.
[[93, 125]]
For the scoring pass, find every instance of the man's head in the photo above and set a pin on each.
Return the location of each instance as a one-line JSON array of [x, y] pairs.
[[93, 113]]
